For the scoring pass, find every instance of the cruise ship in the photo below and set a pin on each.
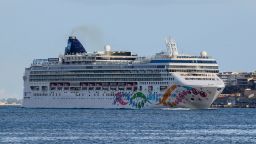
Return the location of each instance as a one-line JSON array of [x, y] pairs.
[[122, 79]]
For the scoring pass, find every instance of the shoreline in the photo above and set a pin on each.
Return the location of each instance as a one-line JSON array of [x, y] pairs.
[[10, 105]]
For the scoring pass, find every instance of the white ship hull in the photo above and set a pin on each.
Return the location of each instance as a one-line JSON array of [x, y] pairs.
[[176, 97]]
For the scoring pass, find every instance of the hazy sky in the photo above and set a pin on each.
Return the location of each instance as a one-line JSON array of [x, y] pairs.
[[31, 29]]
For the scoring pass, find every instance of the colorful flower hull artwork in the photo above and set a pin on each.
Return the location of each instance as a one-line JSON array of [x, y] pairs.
[[137, 100], [172, 96], [120, 99], [176, 94]]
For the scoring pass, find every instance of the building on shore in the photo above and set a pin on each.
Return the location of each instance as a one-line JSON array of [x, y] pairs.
[[241, 80], [240, 90]]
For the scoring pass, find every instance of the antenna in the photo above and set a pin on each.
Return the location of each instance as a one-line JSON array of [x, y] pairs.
[[171, 47], [168, 45]]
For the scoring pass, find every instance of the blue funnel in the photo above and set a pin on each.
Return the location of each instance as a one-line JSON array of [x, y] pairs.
[[74, 46]]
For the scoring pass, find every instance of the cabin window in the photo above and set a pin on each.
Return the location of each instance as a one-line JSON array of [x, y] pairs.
[[98, 88], [105, 88], [53, 88], [129, 88], [120, 88], [112, 88], [34, 88], [44, 88], [162, 88]]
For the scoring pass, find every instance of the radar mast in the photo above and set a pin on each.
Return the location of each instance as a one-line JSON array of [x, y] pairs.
[[171, 47]]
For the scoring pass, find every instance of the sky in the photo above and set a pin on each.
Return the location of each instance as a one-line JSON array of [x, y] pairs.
[[31, 29]]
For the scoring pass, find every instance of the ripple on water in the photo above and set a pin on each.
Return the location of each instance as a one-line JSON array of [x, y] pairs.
[[20, 125]]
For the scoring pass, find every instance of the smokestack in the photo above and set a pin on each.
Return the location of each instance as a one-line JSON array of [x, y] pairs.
[[74, 46]]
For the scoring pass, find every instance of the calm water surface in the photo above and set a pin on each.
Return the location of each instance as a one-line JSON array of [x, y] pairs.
[[20, 125]]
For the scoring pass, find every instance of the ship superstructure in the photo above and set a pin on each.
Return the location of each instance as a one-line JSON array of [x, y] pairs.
[[121, 79]]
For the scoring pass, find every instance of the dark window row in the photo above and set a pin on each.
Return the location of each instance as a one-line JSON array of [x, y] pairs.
[[183, 61]]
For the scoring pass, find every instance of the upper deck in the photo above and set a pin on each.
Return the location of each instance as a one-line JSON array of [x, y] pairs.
[[77, 57]]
